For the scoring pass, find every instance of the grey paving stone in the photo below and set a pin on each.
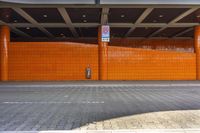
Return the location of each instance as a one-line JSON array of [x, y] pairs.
[[71, 107]]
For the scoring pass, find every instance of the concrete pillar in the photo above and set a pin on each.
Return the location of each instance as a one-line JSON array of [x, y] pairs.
[[103, 57], [4, 42]]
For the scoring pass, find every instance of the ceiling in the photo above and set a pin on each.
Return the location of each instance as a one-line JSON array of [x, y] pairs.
[[141, 2], [73, 21]]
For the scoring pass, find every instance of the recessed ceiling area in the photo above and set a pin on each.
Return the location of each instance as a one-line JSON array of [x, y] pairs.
[[8, 15], [83, 21], [124, 15], [163, 15], [143, 31], [118, 32], [33, 32], [194, 17], [60, 32], [87, 31], [84, 15], [45, 15], [170, 32], [14, 35], [188, 34]]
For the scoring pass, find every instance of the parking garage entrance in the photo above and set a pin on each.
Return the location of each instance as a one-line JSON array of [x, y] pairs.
[[147, 42]]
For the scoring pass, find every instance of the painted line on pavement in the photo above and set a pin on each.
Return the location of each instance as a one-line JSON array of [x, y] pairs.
[[52, 102]]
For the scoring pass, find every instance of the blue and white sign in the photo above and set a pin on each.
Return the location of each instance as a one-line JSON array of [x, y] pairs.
[[105, 37]]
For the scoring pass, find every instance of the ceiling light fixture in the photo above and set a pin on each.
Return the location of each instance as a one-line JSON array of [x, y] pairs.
[[154, 21], [45, 16], [122, 16]]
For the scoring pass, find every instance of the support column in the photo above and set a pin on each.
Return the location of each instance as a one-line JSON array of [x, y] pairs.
[[103, 57], [4, 42]]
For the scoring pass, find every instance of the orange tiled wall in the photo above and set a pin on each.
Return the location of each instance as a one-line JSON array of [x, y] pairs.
[[67, 61], [141, 64], [179, 45], [51, 61]]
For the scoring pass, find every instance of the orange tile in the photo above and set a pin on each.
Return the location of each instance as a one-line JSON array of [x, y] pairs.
[[68, 60]]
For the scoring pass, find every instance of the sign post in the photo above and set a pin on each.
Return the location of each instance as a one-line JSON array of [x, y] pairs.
[[105, 37], [103, 40]]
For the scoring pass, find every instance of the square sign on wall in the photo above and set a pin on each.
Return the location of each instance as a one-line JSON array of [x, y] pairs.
[[105, 34]]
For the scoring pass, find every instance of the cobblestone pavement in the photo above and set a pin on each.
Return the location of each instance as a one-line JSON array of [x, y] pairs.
[[37, 108]]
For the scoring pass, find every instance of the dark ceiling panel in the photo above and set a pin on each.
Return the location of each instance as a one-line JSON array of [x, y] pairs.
[[10, 16], [163, 15], [51, 2], [169, 32], [45, 15], [188, 34], [84, 15], [34, 32], [109, 2], [60, 32], [150, 2], [87, 32], [124, 15], [143, 32], [192, 18], [118, 32], [13, 35]]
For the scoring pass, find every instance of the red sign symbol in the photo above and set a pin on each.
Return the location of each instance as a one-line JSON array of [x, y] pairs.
[[105, 29]]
